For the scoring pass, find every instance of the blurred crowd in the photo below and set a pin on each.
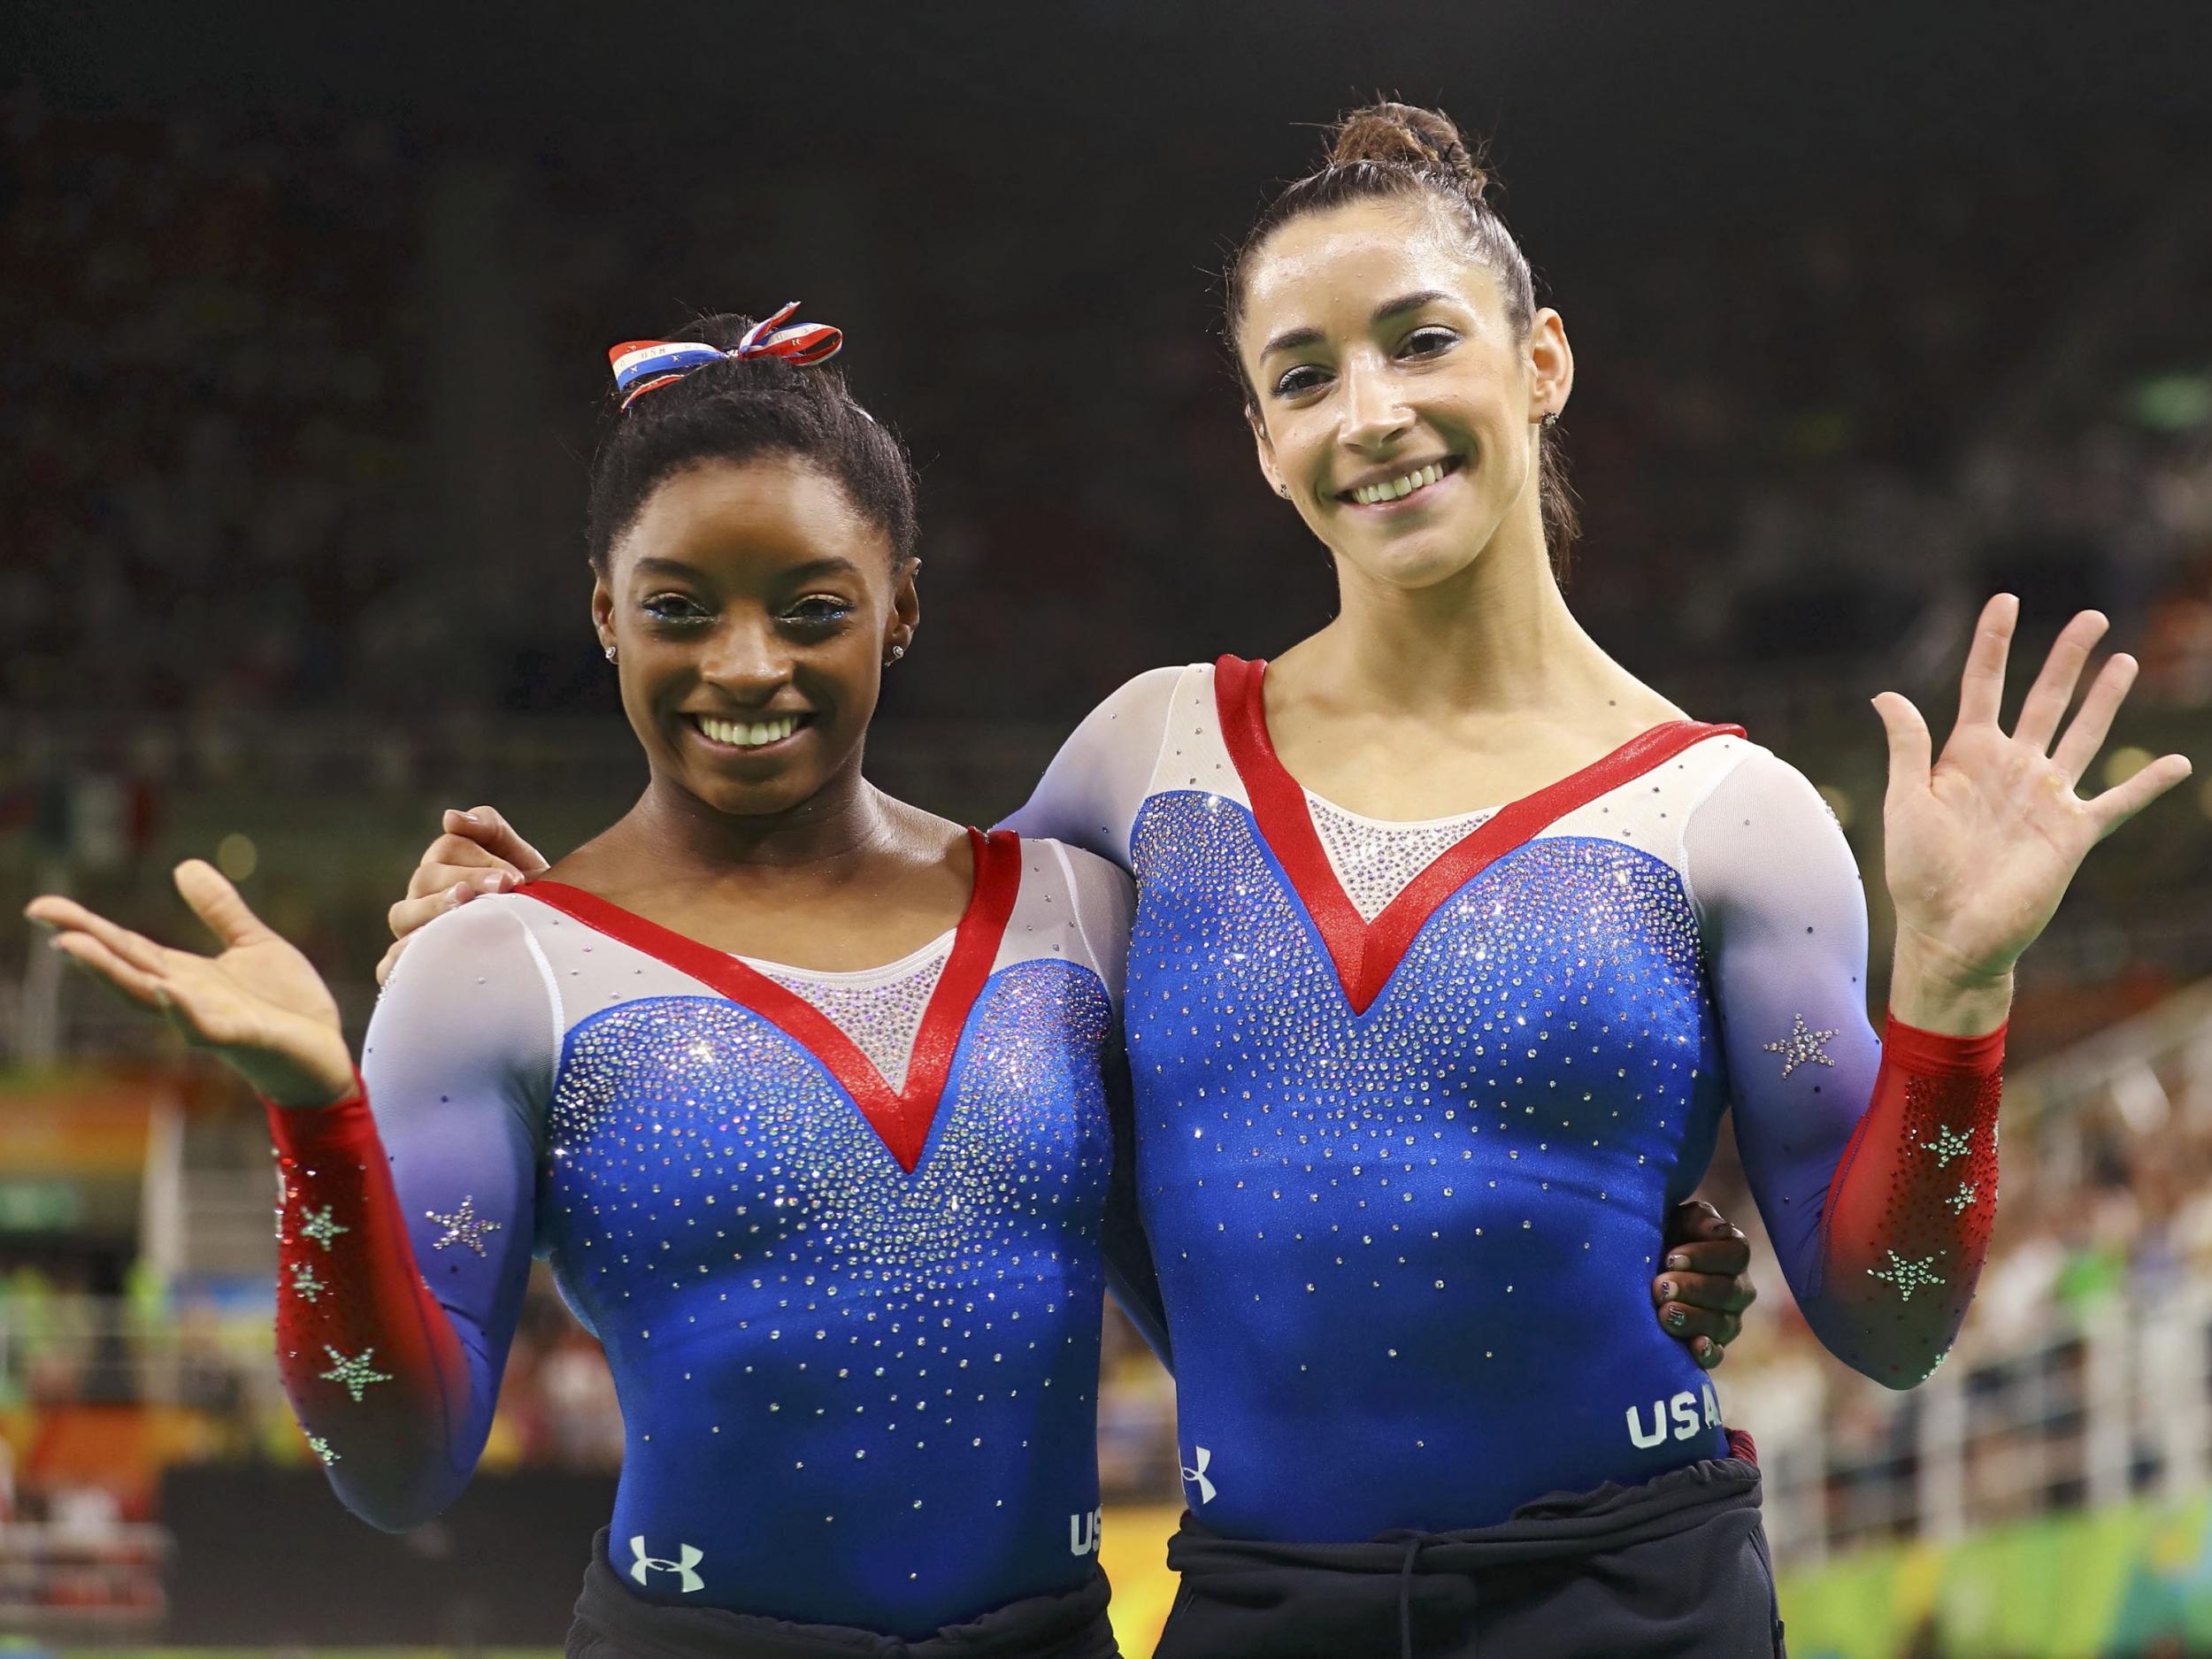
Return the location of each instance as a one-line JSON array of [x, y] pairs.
[[274, 379]]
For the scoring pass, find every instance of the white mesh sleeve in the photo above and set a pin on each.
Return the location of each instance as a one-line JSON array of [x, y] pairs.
[[1089, 795]]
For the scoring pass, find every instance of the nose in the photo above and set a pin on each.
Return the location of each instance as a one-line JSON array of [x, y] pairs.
[[1372, 411], [746, 660]]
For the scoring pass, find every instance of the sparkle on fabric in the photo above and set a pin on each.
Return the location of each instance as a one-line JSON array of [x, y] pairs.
[[320, 1227], [463, 1227], [353, 1373], [1802, 1046], [1907, 1274]]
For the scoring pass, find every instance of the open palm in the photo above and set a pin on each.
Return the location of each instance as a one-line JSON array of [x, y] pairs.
[[1982, 842], [260, 1004]]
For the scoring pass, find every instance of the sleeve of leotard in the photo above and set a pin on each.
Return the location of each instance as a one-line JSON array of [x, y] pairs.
[[406, 1221], [1873, 1159], [1105, 903], [1090, 793]]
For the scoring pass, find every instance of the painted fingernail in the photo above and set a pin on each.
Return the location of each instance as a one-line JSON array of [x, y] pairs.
[[1678, 1263], [1666, 1290], [1675, 1319], [471, 816]]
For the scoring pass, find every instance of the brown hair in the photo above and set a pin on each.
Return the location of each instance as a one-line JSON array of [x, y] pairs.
[[1395, 149]]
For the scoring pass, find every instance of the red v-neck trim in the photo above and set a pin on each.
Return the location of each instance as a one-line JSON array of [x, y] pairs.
[[1366, 953], [902, 1117]]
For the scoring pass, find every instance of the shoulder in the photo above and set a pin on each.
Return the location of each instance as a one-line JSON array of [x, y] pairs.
[[495, 926], [1147, 700], [1084, 873]]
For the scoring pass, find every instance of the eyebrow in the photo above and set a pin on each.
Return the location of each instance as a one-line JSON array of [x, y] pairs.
[[1296, 339], [828, 564]]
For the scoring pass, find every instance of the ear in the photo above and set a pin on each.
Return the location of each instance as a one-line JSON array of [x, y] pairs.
[[1551, 364], [906, 608], [602, 610], [1265, 446]]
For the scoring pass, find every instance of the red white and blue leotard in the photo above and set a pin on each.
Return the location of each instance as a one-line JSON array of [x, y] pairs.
[[1412, 1102], [840, 1234]]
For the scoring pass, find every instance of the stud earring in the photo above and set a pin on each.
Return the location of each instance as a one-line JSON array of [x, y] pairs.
[[897, 651], [1551, 418], [611, 653]]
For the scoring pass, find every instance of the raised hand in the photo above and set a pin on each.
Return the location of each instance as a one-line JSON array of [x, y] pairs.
[[1981, 843], [480, 852], [259, 1004]]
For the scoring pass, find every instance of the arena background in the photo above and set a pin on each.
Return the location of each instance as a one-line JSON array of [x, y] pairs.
[[1876, 308]]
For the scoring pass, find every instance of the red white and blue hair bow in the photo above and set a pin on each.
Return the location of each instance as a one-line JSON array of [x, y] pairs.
[[641, 365]]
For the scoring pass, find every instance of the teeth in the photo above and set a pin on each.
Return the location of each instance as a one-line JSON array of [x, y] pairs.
[[743, 735], [1420, 477]]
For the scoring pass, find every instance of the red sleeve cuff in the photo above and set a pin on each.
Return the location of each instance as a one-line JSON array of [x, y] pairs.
[[1933, 1053], [302, 1130]]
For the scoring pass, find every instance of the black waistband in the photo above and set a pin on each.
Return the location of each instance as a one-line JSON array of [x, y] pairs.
[[1559, 1527], [1069, 1625]]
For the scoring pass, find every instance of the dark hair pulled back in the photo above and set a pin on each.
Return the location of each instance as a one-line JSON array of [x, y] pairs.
[[738, 410], [1397, 150]]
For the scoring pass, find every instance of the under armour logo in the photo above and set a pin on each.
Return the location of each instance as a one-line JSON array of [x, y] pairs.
[[692, 1558], [1197, 1477]]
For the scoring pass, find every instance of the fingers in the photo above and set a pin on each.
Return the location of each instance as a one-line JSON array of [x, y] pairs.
[[1982, 685], [1686, 1322], [2094, 720], [1709, 1351], [390, 959], [134, 949], [1910, 749], [133, 984], [1726, 1257], [484, 825], [1693, 1219], [2116, 805], [2048, 698], [216, 902], [452, 858], [408, 914], [1719, 1292]]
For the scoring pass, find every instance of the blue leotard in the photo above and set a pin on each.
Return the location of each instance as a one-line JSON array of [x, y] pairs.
[[1412, 1102], [840, 1234]]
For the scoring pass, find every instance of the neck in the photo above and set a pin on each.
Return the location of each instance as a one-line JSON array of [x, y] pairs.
[[836, 824], [1496, 637]]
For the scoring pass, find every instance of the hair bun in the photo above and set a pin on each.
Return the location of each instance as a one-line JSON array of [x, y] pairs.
[[1405, 135]]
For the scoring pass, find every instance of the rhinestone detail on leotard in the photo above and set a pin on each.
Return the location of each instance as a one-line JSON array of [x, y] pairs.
[[1374, 860], [881, 1014]]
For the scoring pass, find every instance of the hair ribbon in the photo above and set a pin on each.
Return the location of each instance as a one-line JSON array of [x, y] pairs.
[[639, 366]]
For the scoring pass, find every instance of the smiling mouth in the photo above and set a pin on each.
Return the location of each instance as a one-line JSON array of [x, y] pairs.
[[1412, 482], [747, 736]]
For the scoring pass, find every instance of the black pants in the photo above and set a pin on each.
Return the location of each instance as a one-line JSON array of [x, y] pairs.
[[612, 1624], [1674, 1569]]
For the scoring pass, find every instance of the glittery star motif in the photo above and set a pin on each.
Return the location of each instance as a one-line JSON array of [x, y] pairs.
[[321, 1448], [463, 1226], [1965, 1196], [1802, 1046], [352, 1374], [1905, 1274], [1948, 1145], [320, 1227], [304, 1281]]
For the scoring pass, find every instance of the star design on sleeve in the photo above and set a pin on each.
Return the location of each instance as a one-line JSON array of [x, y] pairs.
[[1963, 1198], [304, 1281], [353, 1374], [1948, 1144], [463, 1226], [1906, 1274], [1802, 1046], [320, 1227], [321, 1448]]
